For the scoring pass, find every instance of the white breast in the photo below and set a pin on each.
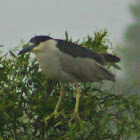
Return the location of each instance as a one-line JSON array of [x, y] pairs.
[[48, 58]]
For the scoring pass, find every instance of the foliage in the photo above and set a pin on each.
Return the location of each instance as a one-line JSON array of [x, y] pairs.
[[27, 98]]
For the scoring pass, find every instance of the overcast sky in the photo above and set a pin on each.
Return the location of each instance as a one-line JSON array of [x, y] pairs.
[[27, 18]]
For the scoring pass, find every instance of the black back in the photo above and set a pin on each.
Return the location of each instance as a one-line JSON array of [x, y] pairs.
[[78, 51]]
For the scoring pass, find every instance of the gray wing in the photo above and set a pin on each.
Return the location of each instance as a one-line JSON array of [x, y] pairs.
[[84, 69]]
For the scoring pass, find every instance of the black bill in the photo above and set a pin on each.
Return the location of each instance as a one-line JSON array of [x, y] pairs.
[[29, 48]]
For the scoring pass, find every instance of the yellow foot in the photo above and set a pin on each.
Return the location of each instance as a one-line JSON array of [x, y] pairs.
[[54, 114], [49, 117], [75, 117]]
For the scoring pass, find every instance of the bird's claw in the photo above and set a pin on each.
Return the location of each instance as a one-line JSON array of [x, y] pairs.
[[55, 114], [49, 117], [75, 117]]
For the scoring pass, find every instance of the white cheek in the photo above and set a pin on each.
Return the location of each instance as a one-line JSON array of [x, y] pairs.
[[48, 45]]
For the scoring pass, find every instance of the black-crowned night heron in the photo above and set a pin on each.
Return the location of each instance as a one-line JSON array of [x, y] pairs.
[[69, 62]]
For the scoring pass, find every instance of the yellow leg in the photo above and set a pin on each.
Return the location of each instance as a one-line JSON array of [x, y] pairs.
[[60, 99], [76, 114], [55, 113]]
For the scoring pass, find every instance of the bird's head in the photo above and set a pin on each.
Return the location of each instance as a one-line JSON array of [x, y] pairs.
[[34, 43]]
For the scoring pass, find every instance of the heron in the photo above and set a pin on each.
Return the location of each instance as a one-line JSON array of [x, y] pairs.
[[69, 62]]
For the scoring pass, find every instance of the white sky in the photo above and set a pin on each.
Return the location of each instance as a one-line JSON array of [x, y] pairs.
[[22, 19]]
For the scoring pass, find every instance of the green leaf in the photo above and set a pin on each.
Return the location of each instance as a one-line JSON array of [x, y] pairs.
[[12, 54]]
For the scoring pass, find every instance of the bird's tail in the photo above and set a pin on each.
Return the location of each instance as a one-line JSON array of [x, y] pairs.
[[108, 75], [110, 58], [104, 74]]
